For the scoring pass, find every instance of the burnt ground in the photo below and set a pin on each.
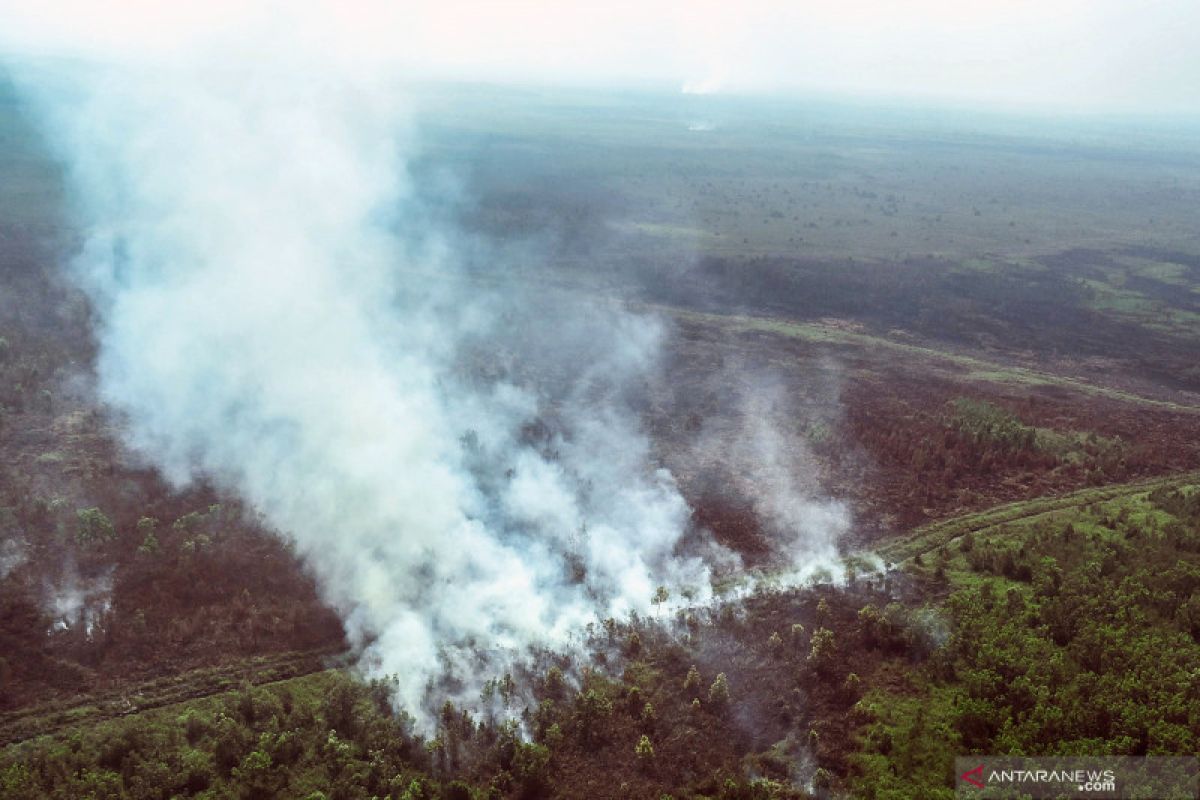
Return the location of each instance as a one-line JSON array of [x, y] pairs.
[[874, 427], [862, 418], [79, 618]]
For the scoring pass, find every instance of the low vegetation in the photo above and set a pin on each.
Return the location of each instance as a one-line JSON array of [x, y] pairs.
[[1071, 632]]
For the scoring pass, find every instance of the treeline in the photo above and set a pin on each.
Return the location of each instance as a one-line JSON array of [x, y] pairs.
[[326, 736], [746, 702], [335, 737], [968, 445]]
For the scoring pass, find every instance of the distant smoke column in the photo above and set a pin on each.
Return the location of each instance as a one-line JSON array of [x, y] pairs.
[[256, 327]]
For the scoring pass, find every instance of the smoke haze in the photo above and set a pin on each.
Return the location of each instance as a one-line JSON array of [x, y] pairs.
[[279, 312], [261, 326], [1087, 55]]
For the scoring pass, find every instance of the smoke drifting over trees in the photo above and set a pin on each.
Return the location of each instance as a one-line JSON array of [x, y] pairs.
[[255, 330], [263, 326]]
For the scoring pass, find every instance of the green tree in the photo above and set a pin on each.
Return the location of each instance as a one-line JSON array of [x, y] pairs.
[[149, 545], [644, 750], [718, 693], [823, 653], [823, 609], [531, 764], [661, 595], [692, 681], [556, 684], [256, 776], [93, 527], [591, 709]]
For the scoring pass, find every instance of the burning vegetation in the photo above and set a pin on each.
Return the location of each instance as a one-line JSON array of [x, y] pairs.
[[353, 450]]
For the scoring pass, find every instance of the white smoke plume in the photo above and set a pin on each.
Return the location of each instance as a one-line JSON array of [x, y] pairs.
[[262, 326], [78, 604], [762, 444], [783, 476]]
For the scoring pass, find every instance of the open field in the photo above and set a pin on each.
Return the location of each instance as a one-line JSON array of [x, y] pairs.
[[807, 177], [945, 362]]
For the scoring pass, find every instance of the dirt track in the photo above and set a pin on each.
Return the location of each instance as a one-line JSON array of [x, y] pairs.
[[29, 723]]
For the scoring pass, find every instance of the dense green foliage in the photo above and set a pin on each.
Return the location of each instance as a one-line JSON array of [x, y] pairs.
[[322, 736], [1069, 632], [1074, 633], [330, 736]]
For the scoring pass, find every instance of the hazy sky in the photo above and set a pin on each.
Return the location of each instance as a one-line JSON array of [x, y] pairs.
[[1117, 55]]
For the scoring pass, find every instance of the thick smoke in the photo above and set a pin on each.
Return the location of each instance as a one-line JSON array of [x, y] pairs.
[[263, 326], [282, 312]]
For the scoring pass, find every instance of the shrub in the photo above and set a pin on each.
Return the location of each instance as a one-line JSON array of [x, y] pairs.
[[93, 527], [692, 681], [718, 693], [644, 750]]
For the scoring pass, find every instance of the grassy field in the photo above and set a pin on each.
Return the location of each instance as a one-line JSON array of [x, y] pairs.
[[808, 176], [966, 368]]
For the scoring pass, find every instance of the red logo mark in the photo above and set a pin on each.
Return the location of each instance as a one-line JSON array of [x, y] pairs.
[[974, 776]]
